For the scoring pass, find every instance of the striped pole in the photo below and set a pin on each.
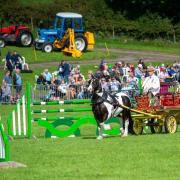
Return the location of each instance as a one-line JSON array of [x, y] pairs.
[[19, 118], [14, 123], [24, 116], [28, 98], [60, 118], [62, 110], [17, 125], [76, 101], [4, 145]]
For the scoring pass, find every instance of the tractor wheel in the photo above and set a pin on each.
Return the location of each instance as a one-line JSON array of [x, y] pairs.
[[81, 42], [47, 47], [25, 39], [155, 129], [37, 46], [137, 127], [2, 43], [170, 124]]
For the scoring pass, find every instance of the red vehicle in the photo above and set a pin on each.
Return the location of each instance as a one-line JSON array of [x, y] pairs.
[[18, 35]]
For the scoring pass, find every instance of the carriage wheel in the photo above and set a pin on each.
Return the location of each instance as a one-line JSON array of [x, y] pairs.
[[170, 124], [155, 129], [137, 127]]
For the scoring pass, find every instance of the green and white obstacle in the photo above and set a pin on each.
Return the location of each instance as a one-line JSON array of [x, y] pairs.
[[20, 120], [4, 145], [73, 122]]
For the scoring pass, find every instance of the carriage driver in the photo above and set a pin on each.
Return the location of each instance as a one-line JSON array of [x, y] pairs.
[[151, 84]]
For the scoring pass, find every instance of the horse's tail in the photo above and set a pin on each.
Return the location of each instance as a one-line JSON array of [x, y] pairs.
[[130, 128], [127, 113]]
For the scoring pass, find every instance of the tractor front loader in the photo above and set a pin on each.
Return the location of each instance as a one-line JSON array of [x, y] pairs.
[[67, 44]]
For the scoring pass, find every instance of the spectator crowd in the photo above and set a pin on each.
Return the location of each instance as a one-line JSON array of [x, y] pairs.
[[69, 83], [10, 90]]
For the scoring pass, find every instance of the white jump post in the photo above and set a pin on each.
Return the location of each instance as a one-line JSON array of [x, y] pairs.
[[19, 121], [4, 145]]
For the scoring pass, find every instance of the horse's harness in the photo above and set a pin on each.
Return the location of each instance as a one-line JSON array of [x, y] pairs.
[[104, 98]]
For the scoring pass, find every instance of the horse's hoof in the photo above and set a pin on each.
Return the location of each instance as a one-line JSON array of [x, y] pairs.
[[124, 135], [122, 131], [99, 138]]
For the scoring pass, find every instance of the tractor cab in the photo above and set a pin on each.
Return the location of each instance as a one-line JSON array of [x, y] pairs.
[[62, 22]]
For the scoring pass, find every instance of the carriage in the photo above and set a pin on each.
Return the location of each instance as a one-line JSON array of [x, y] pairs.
[[165, 113], [157, 112]]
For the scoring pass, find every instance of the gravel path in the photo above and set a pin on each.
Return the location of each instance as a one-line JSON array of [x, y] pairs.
[[123, 55]]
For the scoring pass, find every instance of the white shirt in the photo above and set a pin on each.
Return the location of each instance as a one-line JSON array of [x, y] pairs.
[[151, 84], [63, 88], [114, 86]]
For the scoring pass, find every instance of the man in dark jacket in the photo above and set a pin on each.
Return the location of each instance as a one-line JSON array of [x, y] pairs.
[[66, 73], [61, 71], [16, 58], [9, 63]]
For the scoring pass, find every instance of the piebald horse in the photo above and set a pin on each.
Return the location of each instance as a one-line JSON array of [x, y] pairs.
[[103, 108]]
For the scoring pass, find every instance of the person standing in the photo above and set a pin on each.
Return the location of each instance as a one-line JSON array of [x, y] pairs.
[[61, 71], [47, 76], [17, 81], [9, 63], [7, 78], [66, 73]]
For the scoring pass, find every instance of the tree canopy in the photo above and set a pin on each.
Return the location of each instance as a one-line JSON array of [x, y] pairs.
[[140, 19]]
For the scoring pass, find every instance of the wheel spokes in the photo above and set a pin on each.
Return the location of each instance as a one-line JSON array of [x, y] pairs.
[[172, 124]]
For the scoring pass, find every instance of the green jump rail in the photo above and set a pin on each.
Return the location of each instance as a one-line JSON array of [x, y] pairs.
[[75, 101], [62, 110], [4, 143], [60, 118]]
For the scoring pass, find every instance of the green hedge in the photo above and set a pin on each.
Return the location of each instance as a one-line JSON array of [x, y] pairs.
[[99, 17]]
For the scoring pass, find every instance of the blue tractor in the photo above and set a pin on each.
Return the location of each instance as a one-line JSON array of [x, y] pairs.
[[64, 21]]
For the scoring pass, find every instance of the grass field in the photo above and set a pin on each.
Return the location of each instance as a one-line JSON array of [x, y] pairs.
[[33, 56], [156, 45], [143, 157], [135, 157]]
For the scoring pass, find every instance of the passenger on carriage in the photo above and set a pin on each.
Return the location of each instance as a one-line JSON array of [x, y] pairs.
[[151, 84], [163, 74]]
